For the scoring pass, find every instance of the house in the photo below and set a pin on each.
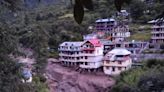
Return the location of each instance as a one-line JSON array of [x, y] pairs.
[[116, 61], [70, 53], [157, 31], [92, 54]]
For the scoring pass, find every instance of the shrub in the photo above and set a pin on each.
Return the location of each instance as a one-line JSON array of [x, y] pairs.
[[154, 62]]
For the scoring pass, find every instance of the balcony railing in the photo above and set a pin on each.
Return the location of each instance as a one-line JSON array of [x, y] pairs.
[[155, 26], [153, 32], [88, 48], [157, 37], [116, 58], [62, 54], [64, 49]]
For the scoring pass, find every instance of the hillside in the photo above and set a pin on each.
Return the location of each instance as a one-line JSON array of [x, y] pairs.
[[40, 25]]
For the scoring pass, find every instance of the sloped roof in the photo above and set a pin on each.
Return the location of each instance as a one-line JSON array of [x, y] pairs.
[[95, 42], [119, 51]]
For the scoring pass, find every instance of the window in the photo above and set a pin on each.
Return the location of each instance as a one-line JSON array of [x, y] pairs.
[[119, 68], [77, 58], [119, 62], [107, 67], [86, 57], [107, 62], [86, 63], [118, 45], [113, 69]]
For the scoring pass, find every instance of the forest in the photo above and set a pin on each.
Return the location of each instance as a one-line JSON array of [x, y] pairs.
[[42, 26]]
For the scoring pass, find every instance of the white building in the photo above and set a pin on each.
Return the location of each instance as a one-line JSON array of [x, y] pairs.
[[157, 31], [116, 61], [70, 53], [92, 54], [119, 33], [87, 54]]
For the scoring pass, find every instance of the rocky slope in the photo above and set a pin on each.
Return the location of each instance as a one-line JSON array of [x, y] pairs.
[[64, 79]]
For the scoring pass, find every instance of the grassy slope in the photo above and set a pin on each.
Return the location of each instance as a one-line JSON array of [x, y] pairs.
[[140, 32]]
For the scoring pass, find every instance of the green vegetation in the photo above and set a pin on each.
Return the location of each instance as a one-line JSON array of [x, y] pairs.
[[46, 27], [140, 33], [148, 78]]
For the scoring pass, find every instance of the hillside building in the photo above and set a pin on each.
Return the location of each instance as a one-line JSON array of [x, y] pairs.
[[105, 24], [92, 54], [87, 54], [111, 29], [116, 61], [157, 31], [70, 53], [119, 33]]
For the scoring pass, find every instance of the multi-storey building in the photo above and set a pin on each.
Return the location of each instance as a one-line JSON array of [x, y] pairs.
[[157, 31], [119, 33], [116, 61], [70, 53], [87, 54], [92, 54], [111, 29], [105, 24]]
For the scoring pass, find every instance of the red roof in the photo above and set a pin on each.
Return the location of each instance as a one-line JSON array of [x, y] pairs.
[[95, 42]]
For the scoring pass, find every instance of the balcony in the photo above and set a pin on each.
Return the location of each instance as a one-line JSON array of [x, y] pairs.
[[155, 26], [87, 48], [157, 37], [116, 58], [71, 55], [117, 63], [64, 49], [156, 32], [68, 60]]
